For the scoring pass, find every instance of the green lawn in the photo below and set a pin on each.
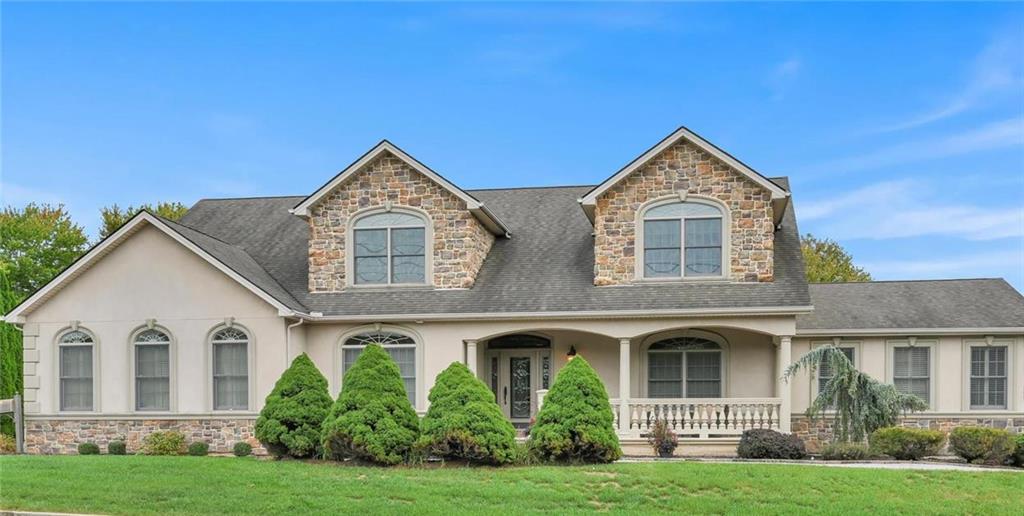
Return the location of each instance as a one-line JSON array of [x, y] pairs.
[[135, 485]]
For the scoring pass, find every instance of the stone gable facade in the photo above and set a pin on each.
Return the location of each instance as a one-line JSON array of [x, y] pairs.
[[460, 243], [684, 167]]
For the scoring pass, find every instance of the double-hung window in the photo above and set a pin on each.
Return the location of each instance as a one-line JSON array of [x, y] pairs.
[[152, 370], [683, 240], [988, 377], [401, 348], [911, 372], [825, 370], [230, 369], [76, 371], [390, 249], [684, 367]]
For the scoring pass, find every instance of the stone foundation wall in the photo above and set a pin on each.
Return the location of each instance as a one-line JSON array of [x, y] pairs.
[[819, 432], [685, 168], [62, 436]]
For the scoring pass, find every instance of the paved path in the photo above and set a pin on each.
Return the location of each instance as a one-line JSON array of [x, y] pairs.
[[911, 465]]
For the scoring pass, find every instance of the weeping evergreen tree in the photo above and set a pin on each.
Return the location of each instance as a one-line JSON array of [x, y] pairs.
[[860, 403]]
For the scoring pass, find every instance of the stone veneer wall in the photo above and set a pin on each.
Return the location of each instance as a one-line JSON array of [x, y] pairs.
[[460, 242], [684, 167], [819, 432], [62, 436]]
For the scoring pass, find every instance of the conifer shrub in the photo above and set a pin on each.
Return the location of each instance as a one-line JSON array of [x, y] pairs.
[[372, 418], [464, 422], [242, 449], [763, 443], [982, 445], [88, 449], [199, 449], [1018, 453], [906, 443], [576, 422], [290, 421], [117, 447]]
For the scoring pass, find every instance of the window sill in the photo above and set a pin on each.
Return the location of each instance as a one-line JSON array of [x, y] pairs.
[[670, 281], [398, 286]]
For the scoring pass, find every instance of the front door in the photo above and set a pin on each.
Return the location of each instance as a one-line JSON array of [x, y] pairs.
[[516, 375]]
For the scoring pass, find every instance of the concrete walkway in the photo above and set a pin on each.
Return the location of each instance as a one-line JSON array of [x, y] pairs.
[[904, 465]]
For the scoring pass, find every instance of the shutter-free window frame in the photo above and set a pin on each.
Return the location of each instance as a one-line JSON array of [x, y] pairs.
[[824, 375], [152, 338], [76, 340], [216, 378], [987, 378], [904, 382], [688, 210]]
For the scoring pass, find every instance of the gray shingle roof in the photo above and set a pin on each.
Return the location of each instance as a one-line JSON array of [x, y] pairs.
[[547, 266], [967, 303]]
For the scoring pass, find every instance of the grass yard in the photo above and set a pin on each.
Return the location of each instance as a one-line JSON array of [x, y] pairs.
[[138, 485]]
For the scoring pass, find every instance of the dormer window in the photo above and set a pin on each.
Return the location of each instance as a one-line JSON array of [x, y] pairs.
[[683, 239], [390, 248]]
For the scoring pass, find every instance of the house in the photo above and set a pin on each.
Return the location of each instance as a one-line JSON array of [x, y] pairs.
[[679, 278]]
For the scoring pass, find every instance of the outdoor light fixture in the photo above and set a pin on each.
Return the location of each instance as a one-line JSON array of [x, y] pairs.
[[572, 352]]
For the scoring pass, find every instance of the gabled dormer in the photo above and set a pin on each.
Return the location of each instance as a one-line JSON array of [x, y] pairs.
[[388, 221], [685, 210]]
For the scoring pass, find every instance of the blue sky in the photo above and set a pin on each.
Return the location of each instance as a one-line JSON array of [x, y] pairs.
[[900, 126]]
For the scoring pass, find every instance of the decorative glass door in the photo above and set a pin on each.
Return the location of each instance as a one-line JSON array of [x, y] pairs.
[[520, 387]]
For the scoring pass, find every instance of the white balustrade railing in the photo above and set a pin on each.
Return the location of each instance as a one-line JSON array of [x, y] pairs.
[[698, 417]]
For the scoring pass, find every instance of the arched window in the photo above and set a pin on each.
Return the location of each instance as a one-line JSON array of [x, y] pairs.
[[684, 367], [152, 370], [390, 249], [683, 240], [402, 349], [76, 370], [230, 369]]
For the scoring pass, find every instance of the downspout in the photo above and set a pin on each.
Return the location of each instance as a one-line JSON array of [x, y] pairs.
[[288, 341]]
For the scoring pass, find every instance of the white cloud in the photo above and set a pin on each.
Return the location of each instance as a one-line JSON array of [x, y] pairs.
[[904, 209], [996, 70], [782, 77], [957, 266], [996, 135]]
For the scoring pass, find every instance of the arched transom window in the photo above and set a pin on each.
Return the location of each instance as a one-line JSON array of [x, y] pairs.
[[390, 249], [152, 370], [230, 369], [76, 371], [402, 349], [683, 239], [684, 367]]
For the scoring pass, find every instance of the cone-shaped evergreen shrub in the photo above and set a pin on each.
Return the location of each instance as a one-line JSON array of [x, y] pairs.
[[290, 421], [464, 421], [372, 418], [576, 422]]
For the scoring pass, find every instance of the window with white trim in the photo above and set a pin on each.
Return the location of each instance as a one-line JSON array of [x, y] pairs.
[[988, 377], [683, 239], [230, 369], [401, 348], [152, 370], [684, 367], [911, 371], [390, 249], [76, 371], [825, 370]]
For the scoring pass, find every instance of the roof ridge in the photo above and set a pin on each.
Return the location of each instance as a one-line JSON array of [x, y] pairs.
[[936, 280], [247, 198], [525, 188]]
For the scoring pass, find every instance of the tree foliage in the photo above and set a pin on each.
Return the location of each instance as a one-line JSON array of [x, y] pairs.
[[576, 423], [10, 353], [36, 243], [290, 421], [114, 217], [827, 262], [464, 421], [372, 418], [860, 403]]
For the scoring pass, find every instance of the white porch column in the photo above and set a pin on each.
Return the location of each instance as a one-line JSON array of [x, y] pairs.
[[624, 386], [783, 357], [471, 356]]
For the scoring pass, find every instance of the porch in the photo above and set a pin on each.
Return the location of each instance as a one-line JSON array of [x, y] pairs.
[[709, 384]]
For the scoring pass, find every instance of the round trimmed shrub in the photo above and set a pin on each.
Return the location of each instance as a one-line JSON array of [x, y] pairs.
[[198, 449], [372, 418], [576, 422], [164, 443], [464, 421], [290, 421], [906, 443], [88, 449], [117, 448], [242, 449], [982, 445], [762, 443], [845, 451]]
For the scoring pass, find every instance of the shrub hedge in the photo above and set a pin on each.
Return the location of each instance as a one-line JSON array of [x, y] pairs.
[[464, 421], [576, 422], [198, 449], [845, 451], [164, 443], [242, 449], [290, 421], [117, 447], [762, 443], [906, 443], [372, 418], [982, 445], [88, 449], [1018, 454]]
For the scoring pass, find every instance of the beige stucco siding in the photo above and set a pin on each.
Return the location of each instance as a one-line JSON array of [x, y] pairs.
[[150, 276]]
